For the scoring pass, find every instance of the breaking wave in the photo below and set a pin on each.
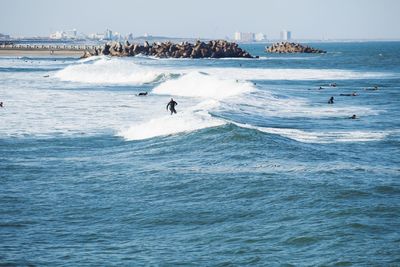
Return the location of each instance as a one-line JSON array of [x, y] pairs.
[[111, 71], [210, 90], [196, 84], [105, 70], [185, 121], [321, 137], [294, 74]]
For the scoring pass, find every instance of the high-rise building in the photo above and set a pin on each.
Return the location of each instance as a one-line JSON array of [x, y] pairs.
[[96, 36], [71, 34], [286, 35], [244, 36], [237, 36], [4, 36], [260, 37], [129, 36], [108, 35], [117, 36], [57, 35]]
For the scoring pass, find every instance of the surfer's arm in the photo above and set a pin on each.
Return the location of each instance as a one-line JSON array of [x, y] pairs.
[[167, 105]]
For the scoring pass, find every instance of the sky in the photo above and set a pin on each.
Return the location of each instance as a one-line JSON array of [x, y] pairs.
[[306, 19]]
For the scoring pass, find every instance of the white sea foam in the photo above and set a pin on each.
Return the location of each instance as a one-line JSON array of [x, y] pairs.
[[105, 70], [199, 92], [196, 84], [186, 121], [323, 136], [263, 103], [289, 57], [210, 90], [94, 58], [292, 74], [111, 71]]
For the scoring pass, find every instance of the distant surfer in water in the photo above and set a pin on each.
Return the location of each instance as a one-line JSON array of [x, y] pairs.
[[353, 117], [1, 104], [142, 94], [330, 101], [171, 104], [373, 89], [352, 94]]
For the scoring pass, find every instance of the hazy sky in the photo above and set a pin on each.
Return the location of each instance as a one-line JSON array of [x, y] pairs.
[[372, 19]]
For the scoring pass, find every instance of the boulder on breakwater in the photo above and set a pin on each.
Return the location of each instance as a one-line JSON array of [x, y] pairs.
[[286, 47], [211, 49]]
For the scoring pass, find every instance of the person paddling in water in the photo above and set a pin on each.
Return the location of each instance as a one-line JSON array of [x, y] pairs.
[[171, 104], [353, 117]]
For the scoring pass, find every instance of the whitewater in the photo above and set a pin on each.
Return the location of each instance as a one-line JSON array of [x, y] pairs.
[[256, 168], [203, 95]]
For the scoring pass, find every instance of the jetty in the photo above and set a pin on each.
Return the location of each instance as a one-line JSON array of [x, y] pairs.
[[211, 49], [286, 47], [44, 49]]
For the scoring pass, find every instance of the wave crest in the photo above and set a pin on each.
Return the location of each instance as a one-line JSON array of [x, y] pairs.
[[186, 121], [196, 84], [321, 137], [111, 71]]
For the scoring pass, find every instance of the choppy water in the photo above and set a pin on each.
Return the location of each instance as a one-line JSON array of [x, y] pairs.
[[255, 169]]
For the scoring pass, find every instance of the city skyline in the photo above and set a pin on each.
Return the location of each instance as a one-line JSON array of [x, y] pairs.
[[109, 35], [352, 19]]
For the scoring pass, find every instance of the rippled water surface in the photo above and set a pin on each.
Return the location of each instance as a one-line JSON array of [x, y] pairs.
[[255, 169]]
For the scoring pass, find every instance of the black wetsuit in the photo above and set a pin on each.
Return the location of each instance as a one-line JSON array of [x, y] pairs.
[[172, 105]]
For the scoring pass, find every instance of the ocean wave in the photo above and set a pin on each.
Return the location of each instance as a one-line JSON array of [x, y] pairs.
[[196, 84], [211, 90], [106, 70], [94, 58], [266, 104], [321, 137], [101, 70], [280, 57], [226, 95], [186, 121], [294, 74]]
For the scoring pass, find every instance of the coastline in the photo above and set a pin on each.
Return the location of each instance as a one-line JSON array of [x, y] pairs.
[[37, 52]]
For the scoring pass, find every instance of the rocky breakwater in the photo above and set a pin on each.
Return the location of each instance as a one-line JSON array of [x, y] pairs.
[[211, 49], [286, 47]]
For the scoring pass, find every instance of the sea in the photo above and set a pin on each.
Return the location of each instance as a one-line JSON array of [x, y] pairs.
[[255, 169]]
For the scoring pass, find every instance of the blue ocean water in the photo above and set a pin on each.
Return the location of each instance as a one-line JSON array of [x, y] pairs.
[[256, 169]]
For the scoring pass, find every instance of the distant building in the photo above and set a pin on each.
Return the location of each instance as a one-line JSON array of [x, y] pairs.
[[286, 35], [108, 35], [57, 35], [259, 37], [237, 36], [129, 37], [117, 36], [244, 36], [4, 36], [96, 36], [69, 34]]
